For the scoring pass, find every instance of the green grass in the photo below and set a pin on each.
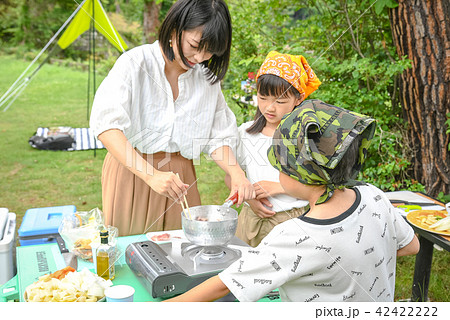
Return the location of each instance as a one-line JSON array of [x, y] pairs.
[[33, 178]]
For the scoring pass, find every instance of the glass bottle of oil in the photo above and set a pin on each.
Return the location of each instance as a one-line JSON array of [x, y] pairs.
[[105, 258]]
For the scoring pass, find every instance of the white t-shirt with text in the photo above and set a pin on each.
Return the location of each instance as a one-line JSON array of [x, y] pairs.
[[351, 257]]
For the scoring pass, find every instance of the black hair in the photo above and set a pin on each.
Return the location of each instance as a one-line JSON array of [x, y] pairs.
[[214, 17], [271, 85], [345, 169]]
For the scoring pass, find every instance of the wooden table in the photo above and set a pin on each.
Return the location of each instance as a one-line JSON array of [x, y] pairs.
[[424, 258]]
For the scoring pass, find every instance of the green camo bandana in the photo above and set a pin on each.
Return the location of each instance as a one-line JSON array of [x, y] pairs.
[[316, 136]]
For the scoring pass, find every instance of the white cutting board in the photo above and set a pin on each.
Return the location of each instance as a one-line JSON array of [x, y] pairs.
[[414, 197], [407, 196]]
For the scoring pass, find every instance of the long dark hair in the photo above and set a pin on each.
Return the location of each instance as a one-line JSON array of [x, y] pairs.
[[214, 17], [270, 85]]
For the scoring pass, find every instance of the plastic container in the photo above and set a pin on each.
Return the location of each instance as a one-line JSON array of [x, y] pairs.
[[120, 293], [7, 245], [40, 225]]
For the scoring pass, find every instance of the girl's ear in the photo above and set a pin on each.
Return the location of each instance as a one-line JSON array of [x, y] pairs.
[[300, 100]]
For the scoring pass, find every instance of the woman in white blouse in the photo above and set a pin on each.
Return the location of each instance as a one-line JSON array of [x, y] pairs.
[[161, 106]]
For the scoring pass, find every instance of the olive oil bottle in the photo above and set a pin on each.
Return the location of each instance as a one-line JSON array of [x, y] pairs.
[[105, 258]]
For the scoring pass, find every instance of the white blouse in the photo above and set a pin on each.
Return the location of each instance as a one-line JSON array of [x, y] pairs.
[[137, 99]]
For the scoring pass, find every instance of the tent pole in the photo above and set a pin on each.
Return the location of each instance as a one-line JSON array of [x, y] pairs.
[[93, 66], [15, 93], [23, 86], [43, 50], [93, 48], [89, 71], [25, 82]]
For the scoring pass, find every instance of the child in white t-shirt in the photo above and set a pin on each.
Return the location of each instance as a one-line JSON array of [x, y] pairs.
[[344, 247], [283, 82]]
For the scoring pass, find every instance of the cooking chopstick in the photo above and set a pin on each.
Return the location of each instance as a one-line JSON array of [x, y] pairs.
[[185, 205], [184, 209]]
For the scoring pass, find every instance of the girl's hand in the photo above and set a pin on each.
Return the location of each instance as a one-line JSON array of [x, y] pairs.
[[224, 157], [259, 209], [265, 189], [241, 185], [168, 184]]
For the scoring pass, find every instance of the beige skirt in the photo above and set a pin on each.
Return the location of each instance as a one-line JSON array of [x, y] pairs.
[[252, 228], [133, 207]]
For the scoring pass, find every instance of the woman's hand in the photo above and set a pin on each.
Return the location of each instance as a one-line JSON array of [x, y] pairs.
[[167, 184], [265, 189], [164, 183], [258, 207]]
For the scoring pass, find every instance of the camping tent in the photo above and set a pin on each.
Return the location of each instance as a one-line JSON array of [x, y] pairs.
[[89, 14]]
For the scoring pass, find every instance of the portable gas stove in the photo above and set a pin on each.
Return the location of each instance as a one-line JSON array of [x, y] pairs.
[[171, 268]]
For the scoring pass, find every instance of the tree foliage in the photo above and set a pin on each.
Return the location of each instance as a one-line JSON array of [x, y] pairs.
[[33, 23], [348, 43]]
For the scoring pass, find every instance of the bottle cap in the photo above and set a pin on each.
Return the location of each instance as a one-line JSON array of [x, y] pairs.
[[104, 236]]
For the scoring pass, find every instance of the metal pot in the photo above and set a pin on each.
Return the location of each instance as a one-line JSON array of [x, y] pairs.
[[211, 225]]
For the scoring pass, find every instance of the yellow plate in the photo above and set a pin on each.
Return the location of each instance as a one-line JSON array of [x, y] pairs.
[[414, 218]]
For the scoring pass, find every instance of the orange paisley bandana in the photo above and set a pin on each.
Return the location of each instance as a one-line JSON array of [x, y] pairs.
[[293, 69]]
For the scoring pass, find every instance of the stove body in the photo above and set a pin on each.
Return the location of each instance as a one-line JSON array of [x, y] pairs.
[[172, 268]]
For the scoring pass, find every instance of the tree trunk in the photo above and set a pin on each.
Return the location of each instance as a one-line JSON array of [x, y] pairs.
[[421, 31], [117, 5], [151, 20]]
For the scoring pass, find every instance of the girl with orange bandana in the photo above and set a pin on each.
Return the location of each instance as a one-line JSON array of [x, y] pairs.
[[283, 82]]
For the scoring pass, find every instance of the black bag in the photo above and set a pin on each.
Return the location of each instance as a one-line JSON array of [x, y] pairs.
[[56, 142]]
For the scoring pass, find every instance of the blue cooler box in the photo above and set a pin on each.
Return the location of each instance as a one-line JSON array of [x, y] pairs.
[[40, 225]]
